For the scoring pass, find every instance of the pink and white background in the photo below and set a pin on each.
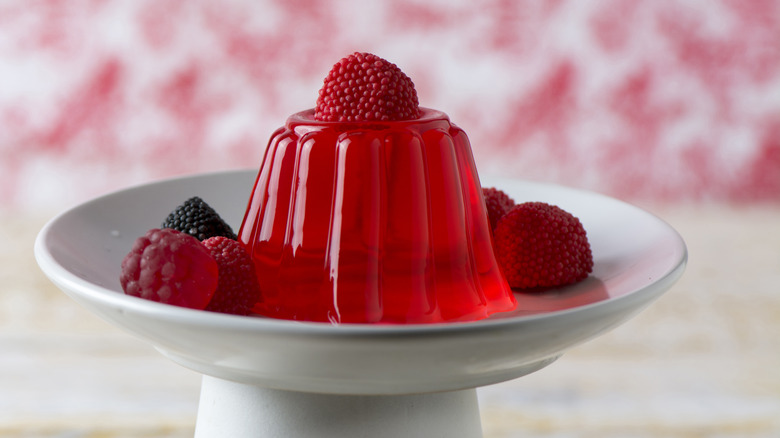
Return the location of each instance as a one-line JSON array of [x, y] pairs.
[[674, 105], [651, 99]]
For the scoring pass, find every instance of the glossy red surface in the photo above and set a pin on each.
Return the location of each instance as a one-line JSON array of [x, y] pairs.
[[372, 222]]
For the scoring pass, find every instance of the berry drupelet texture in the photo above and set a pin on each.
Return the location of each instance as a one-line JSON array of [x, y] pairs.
[[238, 290], [196, 218], [171, 267], [498, 203], [541, 245], [365, 87]]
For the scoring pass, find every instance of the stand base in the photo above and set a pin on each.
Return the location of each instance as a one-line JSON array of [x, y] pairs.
[[241, 411]]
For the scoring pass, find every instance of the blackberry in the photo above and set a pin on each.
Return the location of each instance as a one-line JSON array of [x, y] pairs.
[[196, 218]]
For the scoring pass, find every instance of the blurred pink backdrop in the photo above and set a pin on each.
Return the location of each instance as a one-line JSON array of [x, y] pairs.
[[650, 100]]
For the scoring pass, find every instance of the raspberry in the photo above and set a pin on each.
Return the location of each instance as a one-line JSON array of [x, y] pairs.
[[238, 290], [365, 87], [196, 218], [539, 244], [170, 267], [498, 204]]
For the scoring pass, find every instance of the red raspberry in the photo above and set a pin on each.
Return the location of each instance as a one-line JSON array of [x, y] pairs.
[[539, 244], [238, 290], [498, 204], [170, 267], [365, 87]]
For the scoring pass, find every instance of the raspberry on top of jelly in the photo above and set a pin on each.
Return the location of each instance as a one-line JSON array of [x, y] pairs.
[[368, 208], [365, 87]]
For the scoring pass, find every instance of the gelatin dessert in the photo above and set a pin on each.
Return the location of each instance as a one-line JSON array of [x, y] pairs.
[[371, 213]]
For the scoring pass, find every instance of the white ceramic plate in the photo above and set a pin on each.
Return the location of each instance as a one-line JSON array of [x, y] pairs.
[[637, 258]]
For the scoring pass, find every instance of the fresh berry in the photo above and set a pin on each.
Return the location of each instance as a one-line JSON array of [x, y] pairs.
[[238, 290], [498, 204], [196, 218], [170, 267], [541, 245], [365, 87]]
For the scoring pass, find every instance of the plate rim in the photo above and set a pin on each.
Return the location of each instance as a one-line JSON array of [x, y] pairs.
[[70, 283]]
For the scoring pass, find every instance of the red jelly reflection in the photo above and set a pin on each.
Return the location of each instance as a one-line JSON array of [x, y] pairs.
[[368, 222]]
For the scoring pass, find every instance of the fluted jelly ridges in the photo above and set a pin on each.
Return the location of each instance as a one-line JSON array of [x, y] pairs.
[[372, 222]]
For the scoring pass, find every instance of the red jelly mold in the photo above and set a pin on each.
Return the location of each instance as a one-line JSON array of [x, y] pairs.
[[363, 222]]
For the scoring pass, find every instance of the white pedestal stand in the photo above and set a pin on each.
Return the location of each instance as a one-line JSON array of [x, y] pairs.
[[237, 410]]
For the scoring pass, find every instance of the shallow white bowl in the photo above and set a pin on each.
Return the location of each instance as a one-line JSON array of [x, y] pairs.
[[637, 258]]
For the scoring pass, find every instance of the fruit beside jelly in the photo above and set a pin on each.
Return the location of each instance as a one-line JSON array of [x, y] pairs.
[[542, 245]]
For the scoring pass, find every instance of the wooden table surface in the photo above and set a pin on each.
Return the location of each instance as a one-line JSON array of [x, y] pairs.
[[703, 361]]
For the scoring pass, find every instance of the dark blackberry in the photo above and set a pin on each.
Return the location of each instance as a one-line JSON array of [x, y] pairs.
[[196, 218]]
